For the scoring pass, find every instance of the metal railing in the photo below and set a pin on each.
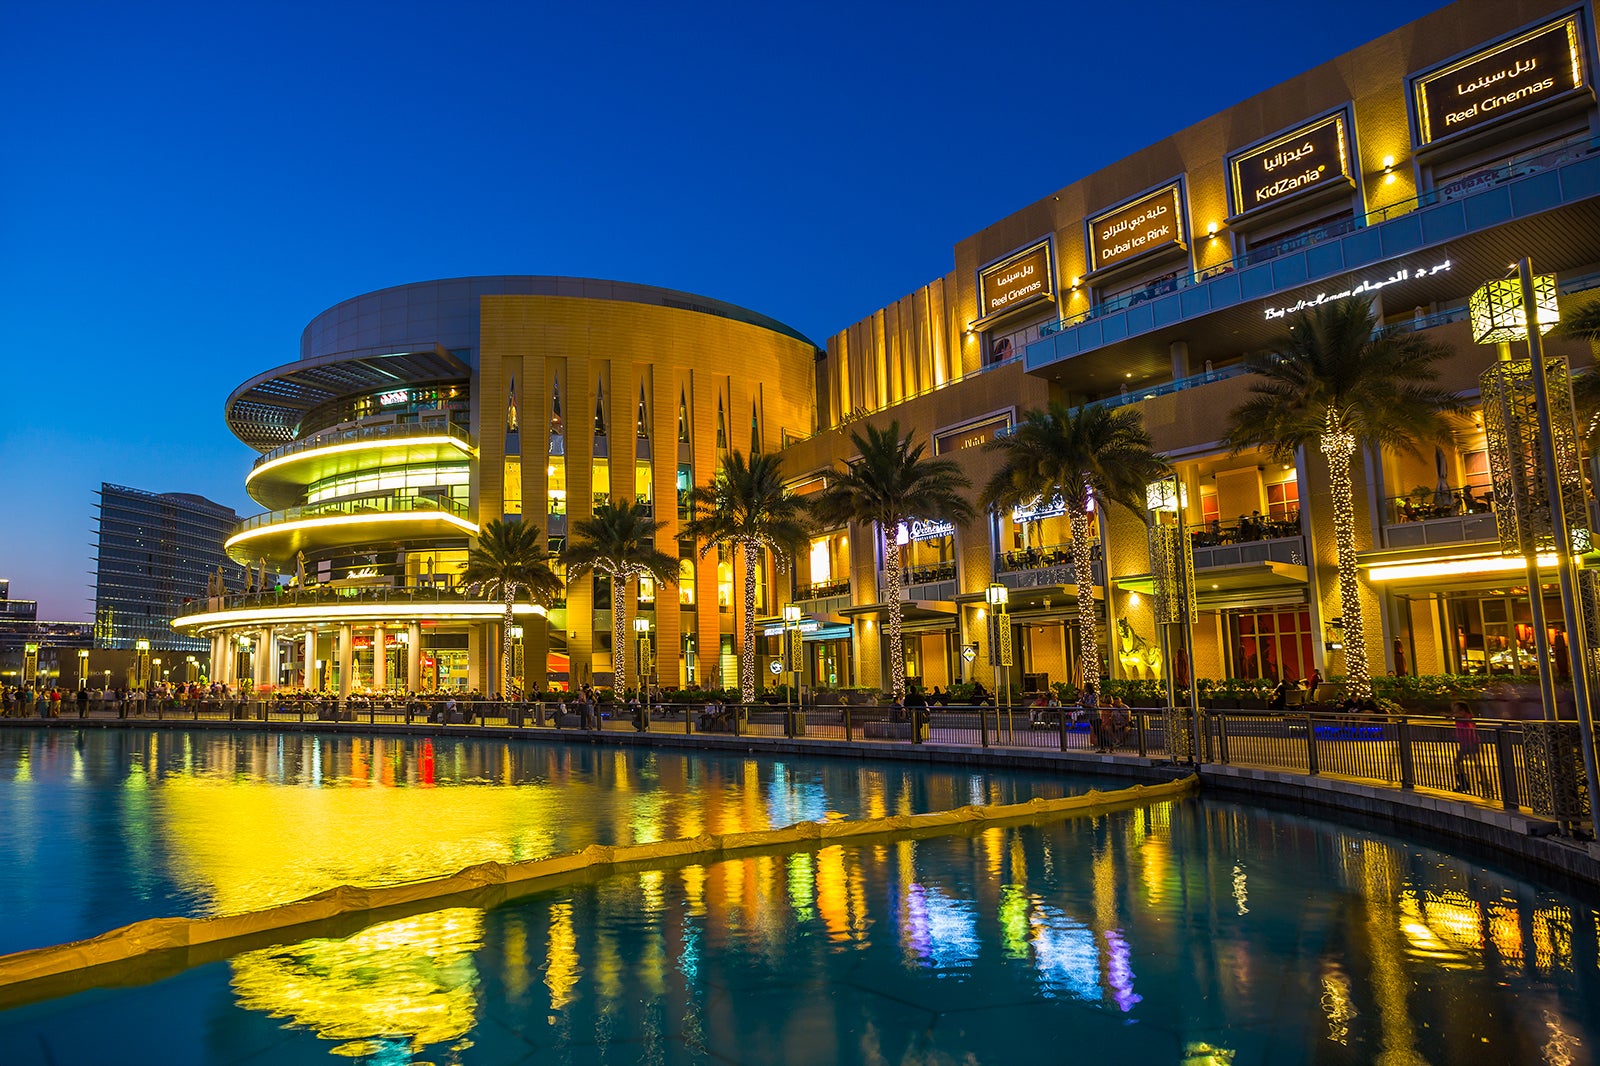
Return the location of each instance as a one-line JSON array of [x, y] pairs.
[[373, 505], [1485, 763], [821, 590], [1424, 505], [389, 431]]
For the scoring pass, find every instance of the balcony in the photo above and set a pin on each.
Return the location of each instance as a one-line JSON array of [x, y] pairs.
[[1446, 515], [278, 535], [1506, 199], [279, 477], [1050, 565], [936, 581]]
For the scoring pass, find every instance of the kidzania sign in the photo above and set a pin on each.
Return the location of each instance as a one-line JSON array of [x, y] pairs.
[[1152, 221], [1314, 156], [1523, 72]]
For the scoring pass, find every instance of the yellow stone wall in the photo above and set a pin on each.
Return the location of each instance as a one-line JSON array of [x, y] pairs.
[[667, 351]]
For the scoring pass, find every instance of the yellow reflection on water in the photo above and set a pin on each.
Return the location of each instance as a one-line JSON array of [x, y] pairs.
[[1337, 1005], [561, 956], [411, 979], [1552, 937]]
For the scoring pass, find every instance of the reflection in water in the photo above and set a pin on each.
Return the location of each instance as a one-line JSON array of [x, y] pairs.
[[1195, 932], [406, 983], [145, 824], [977, 947]]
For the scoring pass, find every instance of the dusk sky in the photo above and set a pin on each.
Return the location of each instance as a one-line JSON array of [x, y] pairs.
[[186, 186]]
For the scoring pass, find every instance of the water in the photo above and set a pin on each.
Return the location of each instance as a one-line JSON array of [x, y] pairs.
[[1195, 932], [104, 827]]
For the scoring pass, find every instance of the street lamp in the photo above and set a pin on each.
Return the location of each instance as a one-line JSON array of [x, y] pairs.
[[141, 663], [83, 667], [796, 653], [997, 596], [243, 664], [1172, 574], [1540, 506], [190, 670], [641, 626]]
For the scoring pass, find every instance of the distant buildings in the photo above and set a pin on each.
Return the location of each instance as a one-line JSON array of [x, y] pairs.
[[157, 552], [29, 648]]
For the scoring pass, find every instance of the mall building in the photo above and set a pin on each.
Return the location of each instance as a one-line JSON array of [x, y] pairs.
[[1409, 171]]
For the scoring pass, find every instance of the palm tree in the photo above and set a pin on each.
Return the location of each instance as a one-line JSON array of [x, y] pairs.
[[1584, 322], [1075, 454], [508, 560], [619, 542], [891, 482], [1330, 379], [746, 508]]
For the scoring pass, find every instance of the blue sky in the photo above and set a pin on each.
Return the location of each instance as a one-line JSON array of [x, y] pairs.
[[185, 186]]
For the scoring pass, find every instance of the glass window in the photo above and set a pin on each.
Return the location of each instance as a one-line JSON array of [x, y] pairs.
[[601, 485], [686, 582], [511, 493], [556, 489], [642, 481]]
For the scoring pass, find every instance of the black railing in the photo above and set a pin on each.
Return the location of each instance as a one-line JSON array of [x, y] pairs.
[[1482, 760], [1422, 505], [1245, 530], [818, 590]]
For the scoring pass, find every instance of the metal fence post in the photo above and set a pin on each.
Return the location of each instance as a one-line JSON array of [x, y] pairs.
[[847, 733], [738, 718], [1311, 746], [1505, 753], [1222, 737], [1138, 727], [1061, 723], [1402, 739], [983, 725]]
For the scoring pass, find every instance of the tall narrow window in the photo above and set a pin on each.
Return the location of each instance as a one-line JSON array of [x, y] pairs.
[[722, 429], [601, 483], [683, 418], [642, 418], [511, 408], [511, 492], [755, 430], [600, 410]]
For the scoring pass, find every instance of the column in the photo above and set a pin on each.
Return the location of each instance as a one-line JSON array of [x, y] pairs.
[[414, 658], [536, 651], [380, 660], [308, 674], [215, 671], [476, 678], [346, 660], [266, 658], [1179, 350]]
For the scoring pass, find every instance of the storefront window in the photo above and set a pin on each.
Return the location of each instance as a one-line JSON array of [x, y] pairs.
[[600, 486], [511, 493], [1283, 500], [686, 582], [1272, 643], [556, 492]]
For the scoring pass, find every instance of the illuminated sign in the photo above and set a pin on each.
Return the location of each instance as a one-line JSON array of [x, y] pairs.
[[1312, 157], [1521, 73], [924, 529], [809, 625], [1038, 509], [389, 399], [1019, 280], [973, 436], [1127, 232], [1365, 286]]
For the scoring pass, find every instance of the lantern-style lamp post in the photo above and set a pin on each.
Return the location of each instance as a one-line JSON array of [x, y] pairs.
[[1540, 508]]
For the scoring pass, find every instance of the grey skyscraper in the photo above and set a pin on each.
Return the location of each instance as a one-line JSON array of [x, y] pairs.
[[156, 551]]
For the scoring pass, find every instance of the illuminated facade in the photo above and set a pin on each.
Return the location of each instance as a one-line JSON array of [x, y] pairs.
[[417, 414], [1411, 170]]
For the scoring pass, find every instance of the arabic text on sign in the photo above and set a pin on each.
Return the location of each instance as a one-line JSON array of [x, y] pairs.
[[1366, 286]]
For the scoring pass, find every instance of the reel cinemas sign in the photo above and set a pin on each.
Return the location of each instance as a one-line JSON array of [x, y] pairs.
[[1021, 279], [1314, 156], [1127, 232], [1523, 72]]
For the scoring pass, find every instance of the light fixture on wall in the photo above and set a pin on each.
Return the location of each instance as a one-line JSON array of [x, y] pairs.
[[1211, 230], [1388, 169]]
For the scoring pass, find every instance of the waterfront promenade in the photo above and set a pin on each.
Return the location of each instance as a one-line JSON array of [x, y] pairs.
[[1406, 769]]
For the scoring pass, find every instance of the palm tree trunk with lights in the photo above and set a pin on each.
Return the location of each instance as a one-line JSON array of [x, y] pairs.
[[747, 654], [1339, 449], [1088, 617], [619, 633], [891, 578], [510, 596]]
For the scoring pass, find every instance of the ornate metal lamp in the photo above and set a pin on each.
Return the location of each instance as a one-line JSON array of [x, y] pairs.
[[1173, 604], [1540, 506]]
